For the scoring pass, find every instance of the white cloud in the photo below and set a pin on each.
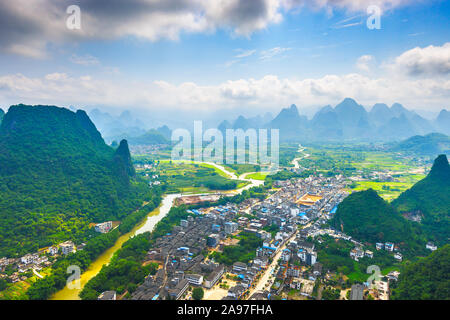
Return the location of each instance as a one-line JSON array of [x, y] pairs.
[[431, 60], [85, 60], [350, 5], [244, 53], [270, 53], [364, 63], [267, 92], [27, 27]]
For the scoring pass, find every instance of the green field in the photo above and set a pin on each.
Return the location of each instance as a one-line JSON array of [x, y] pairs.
[[389, 190], [187, 177], [257, 176]]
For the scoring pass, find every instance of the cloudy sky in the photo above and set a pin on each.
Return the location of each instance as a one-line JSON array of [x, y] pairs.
[[208, 55]]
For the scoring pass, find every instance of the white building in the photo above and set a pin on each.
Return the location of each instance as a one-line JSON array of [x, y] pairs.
[[194, 279], [103, 227], [67, 247], [52, 250], [230, 227]]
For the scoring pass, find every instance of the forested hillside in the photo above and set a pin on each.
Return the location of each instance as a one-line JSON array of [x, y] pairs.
[[367, 217], [430, 144], [426, 279], [430, 198], [57, 175]]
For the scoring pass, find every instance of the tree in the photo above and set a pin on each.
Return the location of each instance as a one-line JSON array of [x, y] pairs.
[[3, 284], [198, 294]]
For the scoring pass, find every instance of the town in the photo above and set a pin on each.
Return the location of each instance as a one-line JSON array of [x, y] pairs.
[[286, 224]]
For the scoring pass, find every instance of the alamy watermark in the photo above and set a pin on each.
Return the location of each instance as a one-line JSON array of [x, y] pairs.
[[73, 22], [375, 272], [374, 19], [74, 280], [252, 146]]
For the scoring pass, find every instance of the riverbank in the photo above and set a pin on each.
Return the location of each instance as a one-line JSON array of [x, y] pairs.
[[146, 226]]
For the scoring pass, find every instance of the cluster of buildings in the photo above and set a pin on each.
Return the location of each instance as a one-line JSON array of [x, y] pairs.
[[391, 247], [104, 227], [181, 255], [34, 261]]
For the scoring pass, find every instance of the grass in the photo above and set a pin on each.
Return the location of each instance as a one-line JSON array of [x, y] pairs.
[[390, 190], [357, 275], [257, 176], [191, 177], [386, 270]]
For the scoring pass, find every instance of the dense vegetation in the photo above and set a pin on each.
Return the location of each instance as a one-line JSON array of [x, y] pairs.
[[430, 198], [430, 144], [56, 176], [426, 279], [149, 138], [44, 288], [244, 251], [125, 270], [335, 256], [367, 217], [287, 174], [182, 177]]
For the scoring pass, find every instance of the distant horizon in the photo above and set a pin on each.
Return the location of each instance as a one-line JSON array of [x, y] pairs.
[[232, 115]]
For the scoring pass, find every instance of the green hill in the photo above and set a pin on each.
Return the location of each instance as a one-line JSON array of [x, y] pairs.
[[2, 114], [430, 144], [367, 217], [426, 279], [56, 176], [430, 198], [151, 137]]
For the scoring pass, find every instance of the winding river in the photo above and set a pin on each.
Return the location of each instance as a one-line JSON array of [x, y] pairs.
[[146, 225]]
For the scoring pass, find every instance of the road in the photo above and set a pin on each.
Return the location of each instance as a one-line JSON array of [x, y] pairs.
[[37, 274], [265, 278]]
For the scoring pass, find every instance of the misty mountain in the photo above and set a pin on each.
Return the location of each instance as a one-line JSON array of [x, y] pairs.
[[348, 120], [380, 114], [326, 125], [2, 114], [224, 125], [442, 121], [117, 127], [396, 128], [290, 123], [165, 131], [351, 115], [151, 137]]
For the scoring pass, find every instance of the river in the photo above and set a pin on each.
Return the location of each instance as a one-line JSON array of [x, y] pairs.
[[146, 225]]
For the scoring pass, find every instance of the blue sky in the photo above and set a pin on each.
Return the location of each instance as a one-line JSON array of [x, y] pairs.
[[282, 56]]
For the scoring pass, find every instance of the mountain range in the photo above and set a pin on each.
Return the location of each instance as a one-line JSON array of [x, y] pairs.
[[349, 121]]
